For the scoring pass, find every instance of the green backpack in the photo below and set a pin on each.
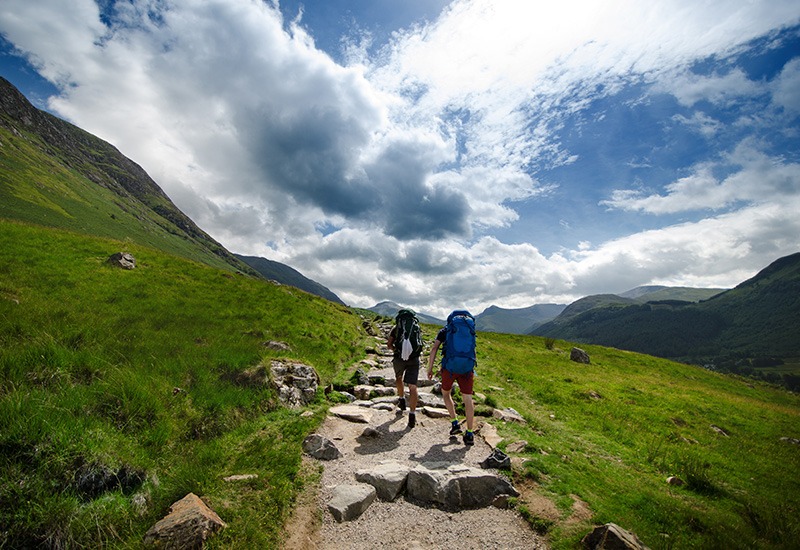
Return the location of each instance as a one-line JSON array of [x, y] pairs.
[[408, 336]]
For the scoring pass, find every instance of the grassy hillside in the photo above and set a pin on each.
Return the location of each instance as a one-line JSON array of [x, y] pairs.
[[516, 321], [141, 376], [286, 275], [145, 377], [610, 433], [752, 325], [53, 173]]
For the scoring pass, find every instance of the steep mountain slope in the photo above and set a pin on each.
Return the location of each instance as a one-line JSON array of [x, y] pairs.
[[759, 317], [55, 174], [516, 321], [286, 275]]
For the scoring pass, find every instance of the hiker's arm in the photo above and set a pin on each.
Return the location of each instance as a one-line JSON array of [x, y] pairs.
[[390, 340], [432, 357]]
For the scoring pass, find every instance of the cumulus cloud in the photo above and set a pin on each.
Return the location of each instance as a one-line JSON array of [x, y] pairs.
[[386, 178]]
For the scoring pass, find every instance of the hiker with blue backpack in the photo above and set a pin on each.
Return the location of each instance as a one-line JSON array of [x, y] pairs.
[[405, 340], [458, 365]]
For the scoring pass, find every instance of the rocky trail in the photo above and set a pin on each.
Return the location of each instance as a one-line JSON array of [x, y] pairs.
[[371, 433]]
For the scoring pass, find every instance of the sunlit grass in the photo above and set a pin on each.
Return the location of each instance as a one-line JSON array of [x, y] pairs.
[[135, 371]]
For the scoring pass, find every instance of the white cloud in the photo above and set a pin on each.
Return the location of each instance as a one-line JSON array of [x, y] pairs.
[[689, 88], [411, 159], [786, 93], [759, 179]]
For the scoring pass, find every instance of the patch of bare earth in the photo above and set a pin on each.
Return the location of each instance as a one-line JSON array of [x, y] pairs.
[[302, 529]]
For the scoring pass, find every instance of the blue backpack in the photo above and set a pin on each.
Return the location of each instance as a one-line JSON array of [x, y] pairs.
[[459, 351]]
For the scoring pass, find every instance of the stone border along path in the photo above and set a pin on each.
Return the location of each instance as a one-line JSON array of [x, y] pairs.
[[401, 523]]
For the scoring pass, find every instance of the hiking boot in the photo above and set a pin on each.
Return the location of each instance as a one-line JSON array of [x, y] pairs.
[[402, 403], [469, 438], [412, 420], [455, 429]]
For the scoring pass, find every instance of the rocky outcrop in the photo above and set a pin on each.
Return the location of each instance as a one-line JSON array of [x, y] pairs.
[[295, 383]]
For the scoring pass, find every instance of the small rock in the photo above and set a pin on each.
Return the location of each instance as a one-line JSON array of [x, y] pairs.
[[490, 436], [321, 448], [579, 356], [353, 412], [720, 431], [517, 447], [123, 260], [612, 537], [189, 523], [240, 477], [371, 432], [508, 415]]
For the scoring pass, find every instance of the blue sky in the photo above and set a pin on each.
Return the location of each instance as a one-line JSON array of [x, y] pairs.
[[447, 154]]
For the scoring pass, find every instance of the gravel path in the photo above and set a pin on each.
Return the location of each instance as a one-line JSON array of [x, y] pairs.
[[403, 524], [400, 524]]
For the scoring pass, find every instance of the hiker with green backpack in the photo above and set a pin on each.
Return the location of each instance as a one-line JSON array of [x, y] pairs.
[[405, 340], [458, 365]]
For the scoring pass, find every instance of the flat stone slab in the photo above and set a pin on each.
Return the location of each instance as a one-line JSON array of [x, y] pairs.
[[353, 413], [350, 501]]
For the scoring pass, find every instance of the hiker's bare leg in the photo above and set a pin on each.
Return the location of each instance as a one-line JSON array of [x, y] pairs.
[[469, 410], [412, 397], [398, 382], [448, 402]]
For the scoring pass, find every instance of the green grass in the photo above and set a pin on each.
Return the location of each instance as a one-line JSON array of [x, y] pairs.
[[138, 373], [38, 186], [135, 371], [653, 419]]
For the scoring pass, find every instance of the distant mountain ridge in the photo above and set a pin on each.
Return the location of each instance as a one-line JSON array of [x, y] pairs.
[[516, 321], [390, 309], [286, 275], [759, 317]]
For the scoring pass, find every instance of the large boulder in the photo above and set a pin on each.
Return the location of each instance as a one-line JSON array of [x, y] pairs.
[[388, 478], [189, 523], [456, 487]]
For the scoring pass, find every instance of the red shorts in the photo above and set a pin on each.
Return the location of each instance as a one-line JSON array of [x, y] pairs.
[[464, 381]]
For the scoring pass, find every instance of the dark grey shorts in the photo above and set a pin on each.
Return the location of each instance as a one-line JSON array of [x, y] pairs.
[[409, 370]]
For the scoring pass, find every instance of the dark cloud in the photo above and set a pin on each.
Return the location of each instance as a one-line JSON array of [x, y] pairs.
[[428, 214], [309, 155], [411, 208]]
